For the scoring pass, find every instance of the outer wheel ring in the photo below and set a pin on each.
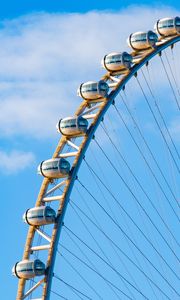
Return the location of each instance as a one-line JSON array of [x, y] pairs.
[[146, 56]]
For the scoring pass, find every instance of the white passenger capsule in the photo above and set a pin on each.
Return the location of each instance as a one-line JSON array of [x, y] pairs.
[[28, 269], [92, 90], [117, 61], [54, 168], [168, 26], [72, 126], [142, 40], [41, 215]]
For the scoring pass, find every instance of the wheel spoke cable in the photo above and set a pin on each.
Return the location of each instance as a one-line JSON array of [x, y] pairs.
[[72, 203], [144, 158]]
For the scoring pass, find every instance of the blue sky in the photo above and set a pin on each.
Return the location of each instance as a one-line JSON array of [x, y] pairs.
[[12, 9], [41, 44]]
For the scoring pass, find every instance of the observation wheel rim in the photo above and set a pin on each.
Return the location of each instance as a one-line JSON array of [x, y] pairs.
[[106, 103]]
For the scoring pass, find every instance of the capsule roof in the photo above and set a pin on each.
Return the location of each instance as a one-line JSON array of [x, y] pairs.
[[116, 61], [142, 40], [40, 215], [28, 269], [93, 90], [168, 26], [54, 168]]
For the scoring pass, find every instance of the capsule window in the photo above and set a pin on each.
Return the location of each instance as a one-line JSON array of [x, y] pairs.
[[103, 86], [39, 265], [34, 214], [49, 212], [152, 36], [178, 22], [127, 58], [166, 23], [27, 267], [114, 59], [139, 38], [90, 87], [71, 123], [63, 164], [50, 165], [82, 122], [117, 59]]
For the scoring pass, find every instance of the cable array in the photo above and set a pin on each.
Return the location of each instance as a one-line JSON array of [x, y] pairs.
[[119, 239]]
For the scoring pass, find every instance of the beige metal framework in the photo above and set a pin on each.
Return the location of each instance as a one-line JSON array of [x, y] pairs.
[[95, 111]]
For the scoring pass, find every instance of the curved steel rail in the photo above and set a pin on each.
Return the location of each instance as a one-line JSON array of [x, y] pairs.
[[106, 103]]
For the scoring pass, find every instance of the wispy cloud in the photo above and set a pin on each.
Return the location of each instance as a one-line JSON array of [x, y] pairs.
[[15, 161], [175, 129], [44, 57]]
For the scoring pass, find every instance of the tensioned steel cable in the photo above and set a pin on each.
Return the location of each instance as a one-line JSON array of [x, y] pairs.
[[53, 292], [175, 67], [95, 179], [101, 250], [106, 180], [134, 196], [106, 236], [141, 187], [176, 100], [160, 113], [64, 210], [129, 238], [124, 282], [98, 245], [110, 264], [148, 197], [144, 139], [106, 263], [74, 255], [131, 233], [67, 230], [89, 261], [137, 181], [118, 147], [95, 270], [144, 158], [73, 288], [31, 281], [167, 130], [172, 74], [119, 258], [108, 260], [140, 231], [79, 274], [59, 295], [157, 123], [72, 203]]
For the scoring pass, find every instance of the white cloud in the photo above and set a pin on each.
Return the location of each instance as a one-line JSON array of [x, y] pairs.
[[44, 57], [15, 161], [175, 129]]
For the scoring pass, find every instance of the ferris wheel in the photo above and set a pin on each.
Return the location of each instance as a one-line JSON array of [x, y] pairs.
[[116, 168]]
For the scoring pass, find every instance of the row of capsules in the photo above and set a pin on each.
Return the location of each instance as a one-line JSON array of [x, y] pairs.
[[76, 126]]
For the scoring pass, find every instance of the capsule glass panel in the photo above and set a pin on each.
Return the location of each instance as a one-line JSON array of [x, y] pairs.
[[117, 61], [54, 168], [72, 126], [28, 269], [38, 216], [142, 40], [93, 90], [168, 26]]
